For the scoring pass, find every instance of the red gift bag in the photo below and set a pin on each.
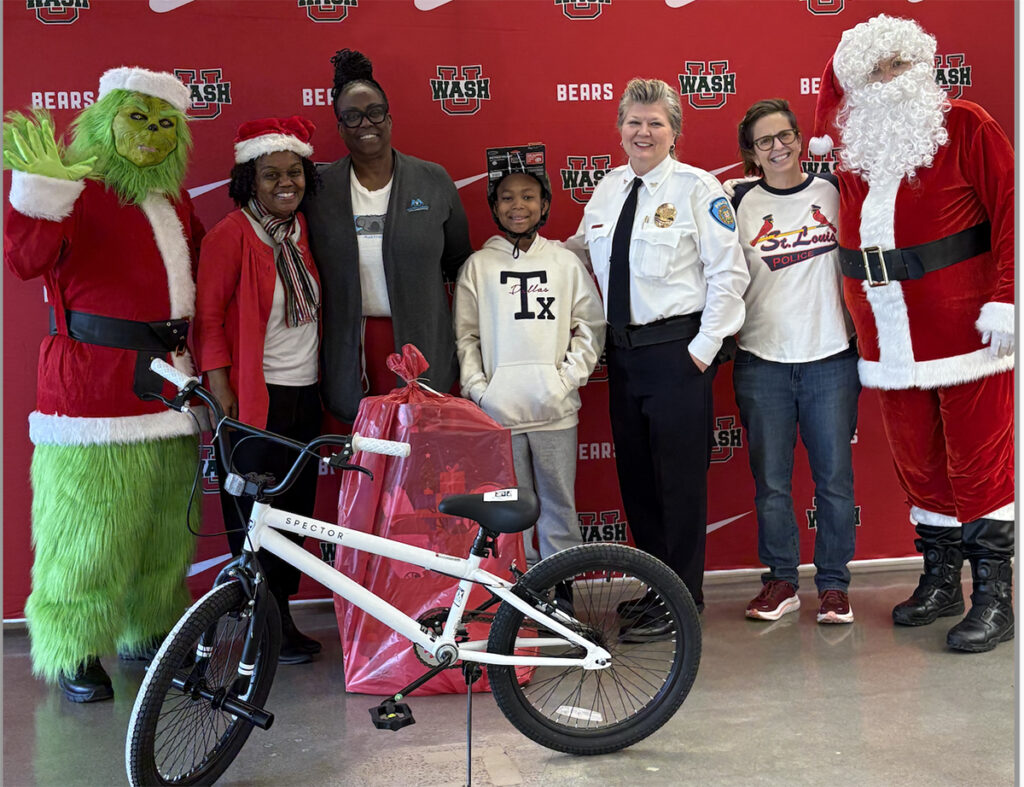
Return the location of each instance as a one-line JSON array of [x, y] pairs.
[[456, 449]]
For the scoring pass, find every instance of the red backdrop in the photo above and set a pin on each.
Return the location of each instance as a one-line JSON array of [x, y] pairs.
[[463, 75]]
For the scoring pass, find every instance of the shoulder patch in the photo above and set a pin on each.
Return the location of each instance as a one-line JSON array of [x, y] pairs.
[[722, 213]]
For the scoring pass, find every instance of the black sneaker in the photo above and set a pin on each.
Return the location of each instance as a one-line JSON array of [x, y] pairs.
[[647, 605], [656, 627], [90, 683]]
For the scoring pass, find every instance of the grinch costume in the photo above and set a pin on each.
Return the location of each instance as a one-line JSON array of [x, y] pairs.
[[111, 472]]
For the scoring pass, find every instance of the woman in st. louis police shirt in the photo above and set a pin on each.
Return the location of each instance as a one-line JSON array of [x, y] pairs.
[[795, 364], [672, 278]]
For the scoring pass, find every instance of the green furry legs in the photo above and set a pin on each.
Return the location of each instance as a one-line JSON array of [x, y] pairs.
[[111, 547]]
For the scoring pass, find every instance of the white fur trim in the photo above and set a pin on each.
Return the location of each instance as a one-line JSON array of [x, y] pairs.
[[919, 516], [1006, 513], [153, 83], [170, 240], [878, 213], [46, 429], [251, 149], [933, 374], [40, 197], [998, 317], [820, 146]]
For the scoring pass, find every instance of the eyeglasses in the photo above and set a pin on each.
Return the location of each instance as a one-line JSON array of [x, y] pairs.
[[767, 142], [353, 118]]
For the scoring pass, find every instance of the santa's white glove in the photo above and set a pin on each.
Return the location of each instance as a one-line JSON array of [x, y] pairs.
[[999, 344], [730, 185]]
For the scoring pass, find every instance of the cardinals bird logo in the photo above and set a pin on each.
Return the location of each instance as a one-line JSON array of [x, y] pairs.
[[820, 217], [765, 230]]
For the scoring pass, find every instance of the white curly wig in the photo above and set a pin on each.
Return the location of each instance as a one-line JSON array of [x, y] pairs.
[[863, 46]]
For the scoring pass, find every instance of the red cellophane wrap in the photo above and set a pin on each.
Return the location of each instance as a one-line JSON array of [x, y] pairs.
[[456, 449]]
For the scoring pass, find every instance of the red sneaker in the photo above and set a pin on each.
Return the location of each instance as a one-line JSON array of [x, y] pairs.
[[776, 598], [834, 607]]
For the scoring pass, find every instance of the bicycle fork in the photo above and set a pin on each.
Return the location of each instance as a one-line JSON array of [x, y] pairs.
[[228, 698]]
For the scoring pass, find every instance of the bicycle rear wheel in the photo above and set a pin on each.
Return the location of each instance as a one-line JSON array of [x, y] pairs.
[[629, 603], [176, 736]]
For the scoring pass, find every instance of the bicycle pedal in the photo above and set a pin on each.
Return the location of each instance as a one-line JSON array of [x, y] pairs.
[[391, 716]]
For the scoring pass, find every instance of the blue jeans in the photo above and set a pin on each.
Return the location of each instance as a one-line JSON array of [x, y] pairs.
[[820, 396]]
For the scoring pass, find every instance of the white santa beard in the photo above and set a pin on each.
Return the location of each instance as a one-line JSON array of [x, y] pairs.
[[891, 129]]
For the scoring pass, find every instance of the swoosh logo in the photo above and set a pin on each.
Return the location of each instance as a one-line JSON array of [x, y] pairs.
[[678, 3], [430, 5], [195, 192], [163, 6], [203, 565], [466, 181], [723, 522], [720, 170]]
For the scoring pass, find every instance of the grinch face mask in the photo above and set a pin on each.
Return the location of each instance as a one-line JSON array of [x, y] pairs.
[[144, 130]]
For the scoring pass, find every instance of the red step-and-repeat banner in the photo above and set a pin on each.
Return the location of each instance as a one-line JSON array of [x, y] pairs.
[[462, 76]]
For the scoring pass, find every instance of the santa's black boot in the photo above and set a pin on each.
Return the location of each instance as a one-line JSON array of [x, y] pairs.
[[938, 593], [988, 545]]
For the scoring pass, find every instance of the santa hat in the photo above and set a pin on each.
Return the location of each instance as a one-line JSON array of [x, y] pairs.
[[860, 49], [270, 135], [159, 84], [830, 98]]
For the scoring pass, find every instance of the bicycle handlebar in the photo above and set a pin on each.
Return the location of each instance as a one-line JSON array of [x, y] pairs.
[[190, 386]]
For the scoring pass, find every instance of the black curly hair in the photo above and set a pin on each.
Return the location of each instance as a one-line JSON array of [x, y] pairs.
[[243, 181], [351, 66]]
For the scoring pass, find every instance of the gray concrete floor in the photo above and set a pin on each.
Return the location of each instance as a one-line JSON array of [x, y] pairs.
[[790, 702]]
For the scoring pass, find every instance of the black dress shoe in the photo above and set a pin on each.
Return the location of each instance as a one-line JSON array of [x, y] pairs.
[[144, 652], [648, 605], [290, 654], [294, 640], [649, 628], [90, 683]]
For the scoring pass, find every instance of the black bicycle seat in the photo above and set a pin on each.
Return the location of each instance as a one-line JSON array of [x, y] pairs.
[[502, 511]]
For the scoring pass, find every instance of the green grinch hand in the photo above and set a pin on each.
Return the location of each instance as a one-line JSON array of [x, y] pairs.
[[30, 146]]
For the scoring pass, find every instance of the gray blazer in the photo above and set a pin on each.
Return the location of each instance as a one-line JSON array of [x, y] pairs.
[[426, 240]]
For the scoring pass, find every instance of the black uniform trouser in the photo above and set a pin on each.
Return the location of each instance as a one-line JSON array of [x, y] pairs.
[[294, 412], [662, 415]]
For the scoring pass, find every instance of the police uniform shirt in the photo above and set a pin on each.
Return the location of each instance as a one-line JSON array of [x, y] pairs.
[[684, 255]]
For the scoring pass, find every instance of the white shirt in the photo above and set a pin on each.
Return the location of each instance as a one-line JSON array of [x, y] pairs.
[[795, 310], [370, 210], [684, 256], [290, 353]]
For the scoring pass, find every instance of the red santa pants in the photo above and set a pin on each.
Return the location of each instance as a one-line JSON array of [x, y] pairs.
[[953, 447]]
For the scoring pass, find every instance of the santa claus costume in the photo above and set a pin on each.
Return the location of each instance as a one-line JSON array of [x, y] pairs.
[[111, 472], [926, 230]]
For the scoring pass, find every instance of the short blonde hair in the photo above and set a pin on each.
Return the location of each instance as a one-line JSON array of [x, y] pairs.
[[652, 91]]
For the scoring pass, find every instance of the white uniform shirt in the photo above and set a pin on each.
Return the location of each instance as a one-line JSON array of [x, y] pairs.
[[370, 210], [684, 256], [795, 310]]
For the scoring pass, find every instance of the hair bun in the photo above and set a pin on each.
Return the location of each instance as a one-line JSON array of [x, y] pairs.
[[350, 65]]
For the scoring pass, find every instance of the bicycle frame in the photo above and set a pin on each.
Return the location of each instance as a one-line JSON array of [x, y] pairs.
[[266, 520]]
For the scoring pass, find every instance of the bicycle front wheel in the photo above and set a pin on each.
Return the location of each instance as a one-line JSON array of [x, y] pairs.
[[633, 606], [178, 733]]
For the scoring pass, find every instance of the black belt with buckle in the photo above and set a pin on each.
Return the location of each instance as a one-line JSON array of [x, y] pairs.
[[685, 326], [161, 336], [148, 339], [881, 267]]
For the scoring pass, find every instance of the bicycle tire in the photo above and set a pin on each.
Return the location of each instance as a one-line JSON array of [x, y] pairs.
[[178, 738], [578, 711]]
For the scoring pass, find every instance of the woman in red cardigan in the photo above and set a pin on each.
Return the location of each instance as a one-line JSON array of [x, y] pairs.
[[257, 331]]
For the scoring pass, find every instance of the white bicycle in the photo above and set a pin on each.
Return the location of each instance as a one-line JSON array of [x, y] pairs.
[[567, 657]]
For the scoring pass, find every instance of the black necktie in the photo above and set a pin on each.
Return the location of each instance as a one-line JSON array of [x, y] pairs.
[[618, 274]]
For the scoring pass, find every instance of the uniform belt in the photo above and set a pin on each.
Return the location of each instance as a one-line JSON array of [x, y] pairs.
[[161, 336], [685, 326], [881, 267]]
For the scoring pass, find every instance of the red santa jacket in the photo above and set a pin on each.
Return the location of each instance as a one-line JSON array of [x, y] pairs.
[[234, 296], [98, 256], [926, 333]]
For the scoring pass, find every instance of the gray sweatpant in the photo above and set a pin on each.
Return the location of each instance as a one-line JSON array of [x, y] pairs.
[[546, 463]]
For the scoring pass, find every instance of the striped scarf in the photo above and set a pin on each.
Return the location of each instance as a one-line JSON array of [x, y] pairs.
[[301, 305]]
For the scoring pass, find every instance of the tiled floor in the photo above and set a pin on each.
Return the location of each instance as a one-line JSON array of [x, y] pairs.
[[784, 703]]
